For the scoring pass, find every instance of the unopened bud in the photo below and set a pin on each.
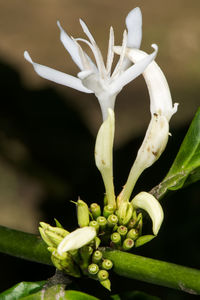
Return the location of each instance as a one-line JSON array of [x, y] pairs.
[[52, 235], [116, 238], [102, 275], [108, 210], [95, 225], [95, 210], [93, 269], [125, 212], [97, 256], [128, 244], [122, 230], [112, 220], [67, 265], [102, 222], [133, 234], [107, 264], [82, 213]]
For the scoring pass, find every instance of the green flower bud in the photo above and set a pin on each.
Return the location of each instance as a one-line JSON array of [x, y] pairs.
[[52, 235], [133, 234], [143, 240], [133, 220], [82, 213], [112, 220], [95, 210], [108, 210], [102, 222], [46, 238], [106, 283], [95, 225], [67, 265], [116, 238], [107, 264], [86, 252], [102, 275], [93, 269], [128, 244], [125, 212], [97, 256], [122, 230], [60, 231]]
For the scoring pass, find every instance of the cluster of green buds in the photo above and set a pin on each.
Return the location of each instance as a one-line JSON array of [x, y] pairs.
[[80, 252]]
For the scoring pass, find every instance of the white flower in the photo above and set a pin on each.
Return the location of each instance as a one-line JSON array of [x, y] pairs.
[[77, 239], [96, 77], [161, 108]]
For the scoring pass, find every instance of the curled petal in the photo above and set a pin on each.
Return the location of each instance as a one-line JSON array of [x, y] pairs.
[[77, 239], [151, 205], [57, 76], [70, 46], [134, 26], [132, 72], [160, 96], [104, 155]]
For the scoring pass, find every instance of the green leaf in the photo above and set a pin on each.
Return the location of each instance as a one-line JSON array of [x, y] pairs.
[[58, 292], [134, 295], [21, 289], [186, 166]]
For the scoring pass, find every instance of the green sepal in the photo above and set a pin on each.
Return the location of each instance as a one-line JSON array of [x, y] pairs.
[[97, 242], [106, 284], [143, 240], [58, 224]]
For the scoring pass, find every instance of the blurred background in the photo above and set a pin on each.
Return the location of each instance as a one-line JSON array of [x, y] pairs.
[[47, 131]]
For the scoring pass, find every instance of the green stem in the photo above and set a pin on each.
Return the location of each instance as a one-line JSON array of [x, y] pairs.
[[155, 271], [31, 247], [24, 245]]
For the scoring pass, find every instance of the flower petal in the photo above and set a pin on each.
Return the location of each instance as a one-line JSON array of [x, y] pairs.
[[132, 72], [151, 149], [110, 54], [57, 76], [70, 46], [151, 205], [96, 50], [118, 69], [77, 239], [134, 26], [160, 96]]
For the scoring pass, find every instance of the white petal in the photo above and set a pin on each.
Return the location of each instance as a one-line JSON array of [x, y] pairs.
[[110, 54], [118, 69], [70, 46], [77, 239], [104, 154], [151, 149], [96, 50], [132, 72], [151, 205], [134, 26], [160, 96], [57, 76]]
